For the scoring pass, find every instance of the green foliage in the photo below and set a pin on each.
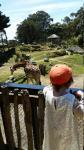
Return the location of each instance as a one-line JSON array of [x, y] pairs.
[[22, 56], [34, 27], [56, 53], [24, 48], [4, 21], [71, 28], [37, 46], [80, 40], [72, 41], [37, 27], [66, 20]]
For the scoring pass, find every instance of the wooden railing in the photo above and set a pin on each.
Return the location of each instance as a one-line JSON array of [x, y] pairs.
[[32, 101], [21, 104]]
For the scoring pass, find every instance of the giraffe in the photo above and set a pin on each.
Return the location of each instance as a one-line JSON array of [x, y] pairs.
[[32, 72], [17, 66]]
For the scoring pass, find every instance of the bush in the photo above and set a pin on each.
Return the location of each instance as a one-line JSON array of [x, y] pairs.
[[60, 53], [36, 46], [52, 45], [80, 40], [18, 56], [23, 48], [73, 41], [58, 47], [57, 53]]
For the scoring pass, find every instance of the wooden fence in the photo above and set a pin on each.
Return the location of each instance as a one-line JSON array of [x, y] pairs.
[[21, 116], [31, 102]]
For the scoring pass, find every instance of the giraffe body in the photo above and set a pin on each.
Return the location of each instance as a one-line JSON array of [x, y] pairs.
[[32, 72]]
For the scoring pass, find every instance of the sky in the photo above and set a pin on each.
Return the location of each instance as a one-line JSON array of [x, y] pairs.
[[18, 10]]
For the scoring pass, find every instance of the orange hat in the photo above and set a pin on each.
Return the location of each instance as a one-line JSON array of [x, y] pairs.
[[60, 74]]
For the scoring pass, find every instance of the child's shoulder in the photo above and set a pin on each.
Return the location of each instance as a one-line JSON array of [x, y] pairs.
[[70, 98], [69, 95], [47, 89]]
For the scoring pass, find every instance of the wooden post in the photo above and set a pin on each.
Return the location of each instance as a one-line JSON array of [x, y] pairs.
[[28, 118], [17, 123], [1, 138], [5, 110], [41, 107], [35, 124]]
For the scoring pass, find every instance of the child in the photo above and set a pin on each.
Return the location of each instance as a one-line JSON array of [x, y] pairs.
[[62, 112]]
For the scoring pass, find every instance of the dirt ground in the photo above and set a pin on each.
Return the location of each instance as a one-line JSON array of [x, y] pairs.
[[78, 81]]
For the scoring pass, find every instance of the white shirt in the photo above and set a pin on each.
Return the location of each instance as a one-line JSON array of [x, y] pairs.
[[62, 129]]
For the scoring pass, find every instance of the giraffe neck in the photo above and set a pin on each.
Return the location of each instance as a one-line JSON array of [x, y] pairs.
[[16, 66]]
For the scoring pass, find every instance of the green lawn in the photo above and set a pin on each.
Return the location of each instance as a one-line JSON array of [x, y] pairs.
[[39, 55], [75, 61]]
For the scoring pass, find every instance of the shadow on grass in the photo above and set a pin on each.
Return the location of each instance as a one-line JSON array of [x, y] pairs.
[[20, 79]]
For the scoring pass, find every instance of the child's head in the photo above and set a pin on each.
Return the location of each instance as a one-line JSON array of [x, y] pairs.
[[61, 76]]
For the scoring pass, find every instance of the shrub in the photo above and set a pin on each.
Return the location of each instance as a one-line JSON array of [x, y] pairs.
[[36, 46], [23, 48], [57, 53]]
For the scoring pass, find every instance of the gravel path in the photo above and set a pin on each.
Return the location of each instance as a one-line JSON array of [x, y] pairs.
[[78, 82]]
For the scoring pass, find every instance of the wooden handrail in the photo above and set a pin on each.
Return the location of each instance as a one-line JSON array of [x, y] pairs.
[[33, 89]]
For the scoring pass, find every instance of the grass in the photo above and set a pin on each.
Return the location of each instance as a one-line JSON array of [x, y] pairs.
[[4, 73], [75, 61], [39, 55]]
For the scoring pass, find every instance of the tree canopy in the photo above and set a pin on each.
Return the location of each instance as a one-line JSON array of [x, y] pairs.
[[38, 26], [4, 23], [34, 27], [72, 28]]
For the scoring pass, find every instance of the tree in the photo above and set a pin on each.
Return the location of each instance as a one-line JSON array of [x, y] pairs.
[[34, 28], [37, 27], [3, 24], [74, 26], [56, 28], [28, 31], [4, 21], [66, 20], [79, 21], [42, 18]]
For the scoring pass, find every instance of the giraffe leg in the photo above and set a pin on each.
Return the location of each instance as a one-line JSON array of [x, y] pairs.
[[27, 80], [32, 80], [40, 82], [37, 79]]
